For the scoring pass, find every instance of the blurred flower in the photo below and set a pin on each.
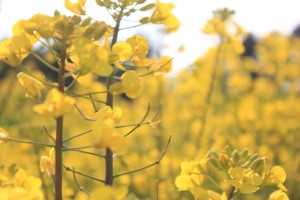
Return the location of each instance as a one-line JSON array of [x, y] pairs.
[[47, 163], [55, 105], [245, 181], [278, 195], [77, 8], [32, 86]]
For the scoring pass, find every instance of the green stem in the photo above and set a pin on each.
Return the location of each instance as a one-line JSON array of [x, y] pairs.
[[208, 99], [44, 62], [78, 135], [109, 102], [150, 165], [85, 175], [59, 128], [29, 142]]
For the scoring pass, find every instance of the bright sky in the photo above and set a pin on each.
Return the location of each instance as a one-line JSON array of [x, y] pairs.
[[257, 16]]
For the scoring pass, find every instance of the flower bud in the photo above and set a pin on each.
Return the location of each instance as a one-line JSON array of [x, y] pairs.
[[3, 136], [224, 160], [216, 163], [257, 163]]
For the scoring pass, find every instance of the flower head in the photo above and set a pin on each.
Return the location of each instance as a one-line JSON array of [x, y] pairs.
[[55, 105], [32, 86], [47, 163]]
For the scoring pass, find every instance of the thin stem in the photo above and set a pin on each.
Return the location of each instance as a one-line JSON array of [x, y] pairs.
[[130, 125], [87, 94], [85, 175], [72, 83], [157, 190], [109, 102], [132, 66], [139, 124], [59, 128], [231, 193], [208, 100], [76, 148], [133, 26], [44, 62], [78, 135], [87, 152], [150, 165], [78, 185], [93, 102], [83, 115], [96, 100], [29, 142], [48, 133]]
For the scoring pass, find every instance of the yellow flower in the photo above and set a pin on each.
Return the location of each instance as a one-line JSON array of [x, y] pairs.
[[15, 49], [277, 176], [245, 182], [163, 15], [191, 175], [109, 193], [131, 84], [139, 45], [108, 136], [55, 105], [278, 195], [3, 135], [47, 163], [163, 65], [32, 86], [121, 51], [77, 8], [43, 24], [85, 61], [107, 113]]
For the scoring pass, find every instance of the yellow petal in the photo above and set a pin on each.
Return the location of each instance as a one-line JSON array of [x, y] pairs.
[[77, 8], [55, 105], [32, 86], [131, 84], [123, 50]]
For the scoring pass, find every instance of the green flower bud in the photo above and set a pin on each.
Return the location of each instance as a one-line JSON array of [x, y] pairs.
[[101, 28], [214, 154], [228, 150], [224, 161], [216, 163], [86, 22], [251, 160], [144, 20], [244, 154], [147, 7], [257, 163]]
